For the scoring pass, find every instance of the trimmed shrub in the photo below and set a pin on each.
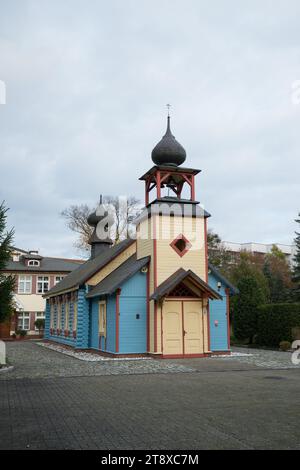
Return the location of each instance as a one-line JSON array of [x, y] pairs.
[[277, 322], [245, 305]]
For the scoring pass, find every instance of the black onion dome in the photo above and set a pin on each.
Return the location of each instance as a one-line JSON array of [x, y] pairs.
[[93, 219], [168, 151]]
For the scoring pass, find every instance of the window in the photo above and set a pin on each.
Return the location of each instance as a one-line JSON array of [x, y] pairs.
[[42, 284], [58, 326], [52, 316], [75, 317], [33, 262], [58, 279], [24, 285], [23, 321], [39, 316], [67, 315], [102, 318], [181, 245]]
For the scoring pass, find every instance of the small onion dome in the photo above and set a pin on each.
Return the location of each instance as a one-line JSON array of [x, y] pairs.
[[93, 219], [168, 151]]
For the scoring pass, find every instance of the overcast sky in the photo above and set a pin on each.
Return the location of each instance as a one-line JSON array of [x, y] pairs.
[[87, 84]]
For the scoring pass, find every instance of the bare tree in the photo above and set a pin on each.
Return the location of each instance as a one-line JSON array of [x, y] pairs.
[[123, 210], [76, 220]]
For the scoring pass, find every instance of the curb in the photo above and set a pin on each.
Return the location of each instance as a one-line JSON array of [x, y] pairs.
[[6, 369]]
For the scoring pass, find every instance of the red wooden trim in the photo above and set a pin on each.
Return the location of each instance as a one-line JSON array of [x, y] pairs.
[[155, 327], [148, 309], [185, 299], [154, 254], [155, 281], [183, 335], [208, 326], [193, 189], [158, 181], [117, 318], [181, 356], [164, 177], [228, 316], [161, 328], [187, 179], [206, 249], [203, 333]]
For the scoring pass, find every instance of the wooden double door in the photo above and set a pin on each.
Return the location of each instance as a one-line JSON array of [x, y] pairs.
[[182, 328]]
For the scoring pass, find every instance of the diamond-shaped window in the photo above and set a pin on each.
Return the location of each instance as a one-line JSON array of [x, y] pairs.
[[181, 245]]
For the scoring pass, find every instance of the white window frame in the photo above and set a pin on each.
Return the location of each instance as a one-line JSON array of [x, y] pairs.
[[42, 279], [22, 317], [38, 316], [33, 262], [25, 282], [58, 279], [75, 317], [102, 318]]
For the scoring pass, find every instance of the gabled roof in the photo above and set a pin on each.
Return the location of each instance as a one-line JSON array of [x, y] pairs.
[[217, 274], [114, 280], [181, 275], [47, 265], [89, 268]]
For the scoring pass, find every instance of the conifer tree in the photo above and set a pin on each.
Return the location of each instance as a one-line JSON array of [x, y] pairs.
[[7, 283], [296, 265]]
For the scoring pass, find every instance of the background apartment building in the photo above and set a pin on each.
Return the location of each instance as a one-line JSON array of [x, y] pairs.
[[35, 275]]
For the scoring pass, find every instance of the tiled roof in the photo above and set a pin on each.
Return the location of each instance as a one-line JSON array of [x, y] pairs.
[[114, 280], [180, 275], [89, 268]]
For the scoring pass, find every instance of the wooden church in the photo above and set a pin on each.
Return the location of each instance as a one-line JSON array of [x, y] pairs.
[[155, 294]]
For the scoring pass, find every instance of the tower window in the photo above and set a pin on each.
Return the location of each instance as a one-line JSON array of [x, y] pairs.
[[181, 245]]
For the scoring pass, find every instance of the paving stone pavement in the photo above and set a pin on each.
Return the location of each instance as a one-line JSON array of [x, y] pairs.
[[31, 360], [264, 358], [207, 404]]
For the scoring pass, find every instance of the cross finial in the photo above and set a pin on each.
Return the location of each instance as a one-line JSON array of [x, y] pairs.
[[168, 106]]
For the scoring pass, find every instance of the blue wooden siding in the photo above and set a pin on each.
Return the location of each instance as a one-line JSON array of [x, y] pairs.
[[94, 327], [82, 334], [47, 320], [133, 315], [132, 319], [82, 340], [62, 339], [217, 313]]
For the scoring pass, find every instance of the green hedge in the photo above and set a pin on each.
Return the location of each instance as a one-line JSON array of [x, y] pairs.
[[275, 323]]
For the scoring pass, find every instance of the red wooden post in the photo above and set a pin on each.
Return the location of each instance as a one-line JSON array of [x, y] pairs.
[[228, 316], [117, 318], [193, 188], [158, 182]]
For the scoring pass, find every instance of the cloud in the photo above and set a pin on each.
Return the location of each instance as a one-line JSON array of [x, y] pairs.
[[87, 86]]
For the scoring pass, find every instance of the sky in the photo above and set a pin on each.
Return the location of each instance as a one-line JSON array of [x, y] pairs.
[[87, 83]]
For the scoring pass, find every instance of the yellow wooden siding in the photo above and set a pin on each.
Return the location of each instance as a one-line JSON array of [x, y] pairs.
[[205, 321], [114, 264], [145, 248], [168, 261], [151, 315]]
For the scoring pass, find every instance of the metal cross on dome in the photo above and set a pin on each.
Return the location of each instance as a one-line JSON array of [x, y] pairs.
[[168, 106]]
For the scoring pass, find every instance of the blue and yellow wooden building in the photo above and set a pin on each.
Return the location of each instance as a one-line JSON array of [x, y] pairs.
[[156, 294]]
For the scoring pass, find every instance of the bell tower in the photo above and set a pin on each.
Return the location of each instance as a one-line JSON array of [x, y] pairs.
[[171, 229], [167, 155]]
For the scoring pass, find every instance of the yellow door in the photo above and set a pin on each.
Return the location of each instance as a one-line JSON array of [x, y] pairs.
[[193, 327], [172, 328]]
